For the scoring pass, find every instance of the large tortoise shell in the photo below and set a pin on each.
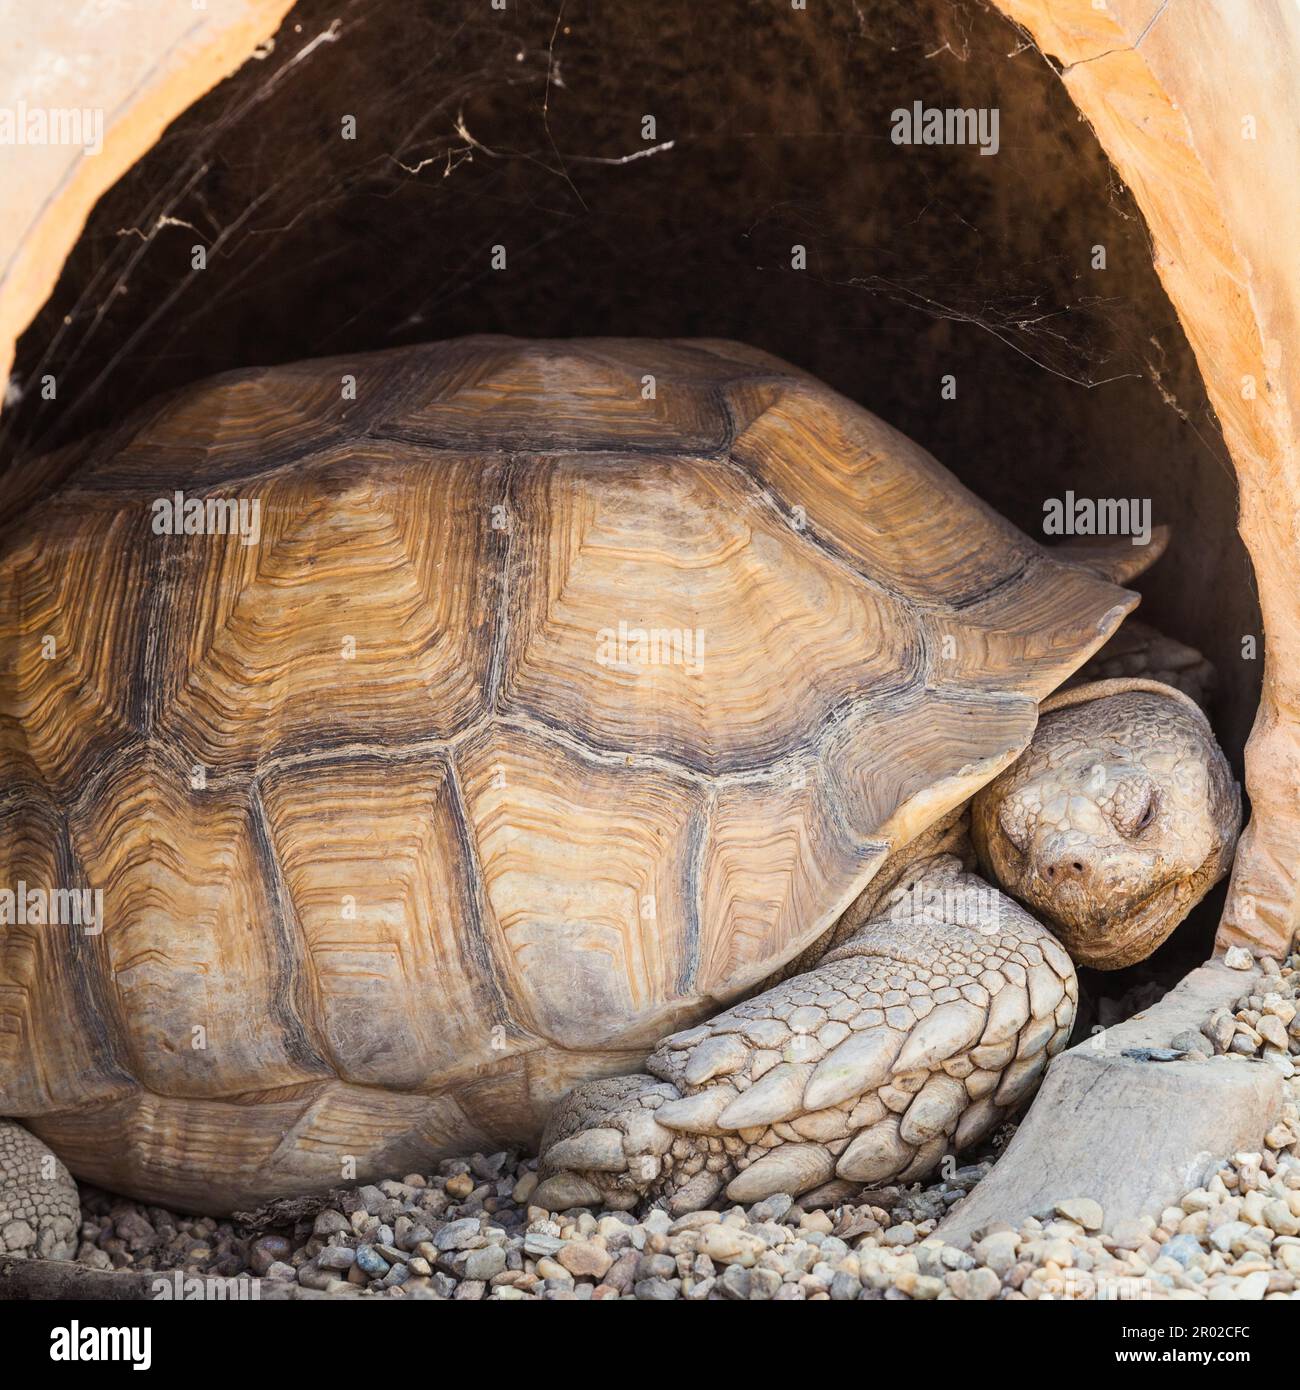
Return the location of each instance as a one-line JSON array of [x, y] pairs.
[[568, 691]]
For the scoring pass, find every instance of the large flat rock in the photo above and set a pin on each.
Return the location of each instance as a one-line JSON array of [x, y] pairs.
[[1133, 1135]]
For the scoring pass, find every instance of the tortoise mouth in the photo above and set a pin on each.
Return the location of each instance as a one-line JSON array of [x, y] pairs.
[[1110, 941]]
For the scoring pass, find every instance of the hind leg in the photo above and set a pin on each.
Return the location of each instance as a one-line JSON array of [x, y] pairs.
[[40, 1213]]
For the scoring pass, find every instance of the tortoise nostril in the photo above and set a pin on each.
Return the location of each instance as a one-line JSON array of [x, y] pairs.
[[1062, 871]]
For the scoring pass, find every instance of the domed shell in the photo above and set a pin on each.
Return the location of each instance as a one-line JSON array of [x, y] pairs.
[[551, 695]]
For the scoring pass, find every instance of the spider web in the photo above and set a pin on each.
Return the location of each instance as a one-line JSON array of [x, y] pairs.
[[526, 129]]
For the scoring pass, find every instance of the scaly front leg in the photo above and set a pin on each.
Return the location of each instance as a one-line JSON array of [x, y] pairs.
[[911, 1039]]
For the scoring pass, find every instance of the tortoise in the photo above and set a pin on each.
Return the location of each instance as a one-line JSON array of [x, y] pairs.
[[444, 728]]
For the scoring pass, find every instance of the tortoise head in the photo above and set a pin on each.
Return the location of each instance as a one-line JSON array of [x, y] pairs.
[[1116, 820]]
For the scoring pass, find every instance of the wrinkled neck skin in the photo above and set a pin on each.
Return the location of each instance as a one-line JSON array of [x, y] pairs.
[[1113, 824]]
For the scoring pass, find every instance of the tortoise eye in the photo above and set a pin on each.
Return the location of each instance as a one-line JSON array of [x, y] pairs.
[[1146, 816]]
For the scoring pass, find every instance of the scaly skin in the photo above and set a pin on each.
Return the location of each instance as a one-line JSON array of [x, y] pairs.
[[936, 1018], [37, 1193], [915, 1036]]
